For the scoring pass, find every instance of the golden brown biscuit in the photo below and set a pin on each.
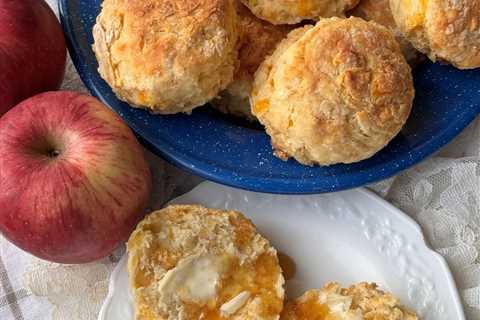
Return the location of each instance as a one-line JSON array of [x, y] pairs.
[[258, 39], [379, 11], [359, 302], [190, 262], [334, 93], [166, 55], [294, 11], [442, 29]]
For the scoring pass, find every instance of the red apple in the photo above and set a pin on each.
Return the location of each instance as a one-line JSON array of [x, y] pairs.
[[32, 51], [73, 179]]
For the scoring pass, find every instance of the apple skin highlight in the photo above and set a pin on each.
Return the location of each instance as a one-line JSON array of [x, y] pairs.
[[73, 178]]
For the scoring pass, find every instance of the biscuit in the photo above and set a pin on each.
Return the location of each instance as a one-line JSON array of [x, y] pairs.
[[334, 93], [379, 11], [444, 30], [294, 11], [190, 262], [168, 56], [361, 301], [258, 39]]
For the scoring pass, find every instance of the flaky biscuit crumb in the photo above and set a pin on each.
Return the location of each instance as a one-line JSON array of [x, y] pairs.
[[190, 262], [362, 301]]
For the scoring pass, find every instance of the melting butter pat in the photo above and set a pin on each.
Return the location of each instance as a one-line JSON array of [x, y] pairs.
[[194, 279], [232, 306]]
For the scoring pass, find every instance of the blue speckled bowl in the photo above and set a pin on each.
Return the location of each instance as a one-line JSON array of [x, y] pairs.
[[222, 150]]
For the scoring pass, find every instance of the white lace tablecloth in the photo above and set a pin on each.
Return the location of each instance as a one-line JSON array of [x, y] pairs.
[[442, 194]]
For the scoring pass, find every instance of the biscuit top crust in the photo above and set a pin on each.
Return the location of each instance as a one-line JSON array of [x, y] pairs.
[[168, 55], [190, 262], [337, 92], [257, 40], [443, 29], [380, 12], [359, 302], [294, 11], [376, 10]]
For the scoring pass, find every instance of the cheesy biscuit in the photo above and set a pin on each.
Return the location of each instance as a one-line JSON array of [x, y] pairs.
[[444, 30], [359, 302], [258, 39], [190, 262], [379, 11], [294, 11], [334, 93], [168, 56]]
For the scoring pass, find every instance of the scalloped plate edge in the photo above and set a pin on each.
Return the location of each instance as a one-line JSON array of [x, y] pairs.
[[399, 214]]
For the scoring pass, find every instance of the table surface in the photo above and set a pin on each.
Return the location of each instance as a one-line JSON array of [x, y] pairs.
[[442, 194]]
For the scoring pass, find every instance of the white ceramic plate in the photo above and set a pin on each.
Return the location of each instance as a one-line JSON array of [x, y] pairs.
[[348, 236]]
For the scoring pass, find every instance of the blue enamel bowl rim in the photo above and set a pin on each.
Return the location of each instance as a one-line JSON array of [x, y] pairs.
[[267, 185]]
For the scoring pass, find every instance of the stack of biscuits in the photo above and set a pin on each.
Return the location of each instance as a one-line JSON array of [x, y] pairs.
[[330, 80]]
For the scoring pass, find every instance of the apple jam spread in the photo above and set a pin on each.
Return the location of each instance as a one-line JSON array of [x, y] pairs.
[[358, 302], [190, 262]]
